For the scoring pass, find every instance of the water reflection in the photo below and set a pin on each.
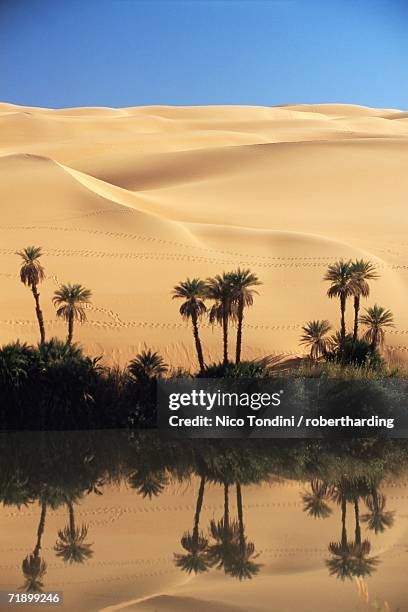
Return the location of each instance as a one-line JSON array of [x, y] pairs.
[[33, 566], [196, 558], [59, 471], [350, 557], [71, 545]]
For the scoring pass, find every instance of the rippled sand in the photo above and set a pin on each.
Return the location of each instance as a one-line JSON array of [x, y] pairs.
[[130, 201]]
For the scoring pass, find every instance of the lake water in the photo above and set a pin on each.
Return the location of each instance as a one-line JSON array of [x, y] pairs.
[[128, 521]]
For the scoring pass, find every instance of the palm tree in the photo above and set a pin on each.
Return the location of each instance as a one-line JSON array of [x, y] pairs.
[[220, 289], [314, 337], [69, 301], [15, 361], [376, 319], [315, 502], [193, 292], [32, 274], [340, 275], [55, 350], [143, 373], [147, 365], [71, 545], [196, 559], [378, 519], [362, 272], [241, 565], [243, 282]]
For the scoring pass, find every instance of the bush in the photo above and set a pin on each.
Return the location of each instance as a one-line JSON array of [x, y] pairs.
[[246, 369], [62, 384], [16, 364], [335, 370], [56, 386], [357, 353], [46, 387]]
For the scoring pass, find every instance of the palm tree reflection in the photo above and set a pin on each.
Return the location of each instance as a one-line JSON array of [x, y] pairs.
[[315, 502], [378, 519], [148, 483], [223, 543], [71, 545], [34, 567], [230, 548], [363, 565], [350, 558], [196, 559], [340, 565], [224, 533], [241, 565]]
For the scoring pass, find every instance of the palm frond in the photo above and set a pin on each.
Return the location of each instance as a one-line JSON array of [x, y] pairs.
[[70, 301], [31, 271]]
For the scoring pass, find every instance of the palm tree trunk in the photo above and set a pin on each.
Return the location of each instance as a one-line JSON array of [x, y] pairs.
[[357, 518], [40, 530], [240, 516], [343, 522], [197, 340], [39, 313], [70, 328], [374, 344], [239, 330], [356, 311], [225, 333], [199, 504], [342, 325], [343, 318]]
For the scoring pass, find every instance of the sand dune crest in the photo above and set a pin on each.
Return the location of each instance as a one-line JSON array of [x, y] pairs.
[[131, 201]]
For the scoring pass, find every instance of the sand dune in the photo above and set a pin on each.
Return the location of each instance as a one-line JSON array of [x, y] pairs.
[[130, 201], [186, 604]]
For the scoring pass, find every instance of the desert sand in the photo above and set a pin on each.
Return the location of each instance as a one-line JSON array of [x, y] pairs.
[[128, 202], [134, 540]]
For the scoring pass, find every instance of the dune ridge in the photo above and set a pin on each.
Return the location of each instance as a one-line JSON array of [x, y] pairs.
[[131, 201]]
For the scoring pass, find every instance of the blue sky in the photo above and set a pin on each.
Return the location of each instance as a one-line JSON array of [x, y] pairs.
[[59, 53]]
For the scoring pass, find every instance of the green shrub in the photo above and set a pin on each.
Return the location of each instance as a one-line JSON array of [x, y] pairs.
[[246, 369], [357, 353]]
